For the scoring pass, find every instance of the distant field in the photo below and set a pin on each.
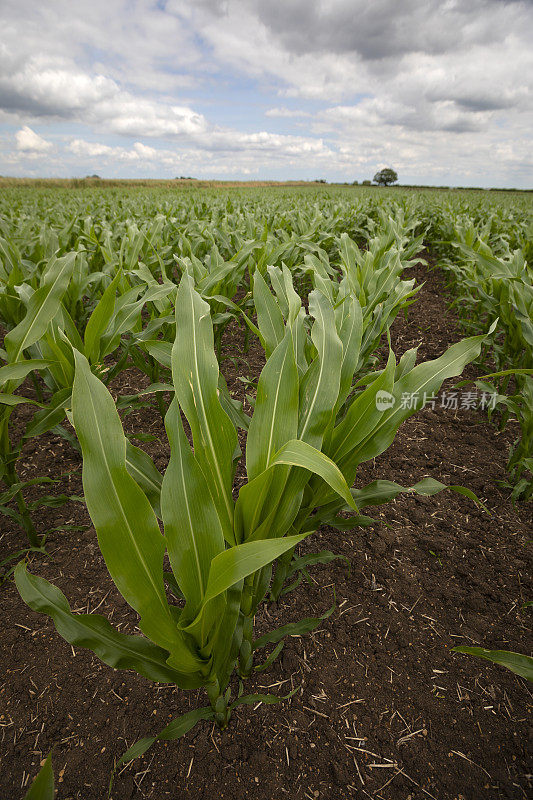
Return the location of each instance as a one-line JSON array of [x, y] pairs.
[[106, 182], [103, 183]]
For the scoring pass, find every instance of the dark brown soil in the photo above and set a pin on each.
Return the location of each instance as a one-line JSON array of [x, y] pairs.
[[384, 710]]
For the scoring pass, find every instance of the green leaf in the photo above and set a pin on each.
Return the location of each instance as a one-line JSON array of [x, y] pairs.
[[311, 559], [127, 400], [378, 492], [160, 350], [94, 632], [293, 629], [44, 304], [267, 699], [320, 386], [232, 407], [195, 374], [300, 454], [20, 369], [516, 662], [144, 472], [275, 417], [269, 316], [51, 415], [362, 415], [174, 730], [239, 311], [225, 642], [42, 787], [127, 528], [425, 378], [270, 659], [238, 562], [357, 521], [500, 374], [99, 320], [16, 400], [350, 335], [193, 531], [126, 319]]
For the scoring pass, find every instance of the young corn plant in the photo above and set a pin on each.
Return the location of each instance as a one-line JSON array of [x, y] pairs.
[[198, 644], [499, 285], [109, 330], [372, 275], [307, 392], [41, 308], [221, 550], [47, 334]]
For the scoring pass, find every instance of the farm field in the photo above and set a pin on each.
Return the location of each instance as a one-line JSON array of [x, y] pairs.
[[299, 339]]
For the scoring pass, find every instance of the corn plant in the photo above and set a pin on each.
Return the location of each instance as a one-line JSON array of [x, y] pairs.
[[109, 330], [300, 462], [499, 287], [47, 334], [42, 307], [373, 276], [319, 402], [198, 644]]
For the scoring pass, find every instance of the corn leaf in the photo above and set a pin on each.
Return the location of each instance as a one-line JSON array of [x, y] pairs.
[[275, 417], [320, 386], [425, 378], [378, 492], [174, 730], [18, 370], [193, 531], [51, 415], [300, 454], [144, 472], [94, 632], [42, 307], [350, 335], [242, 560], [293, 629], [362, 415], [516, 662], [42, 787], [195, 375], [127, 529], [99, 320], [269, 316]]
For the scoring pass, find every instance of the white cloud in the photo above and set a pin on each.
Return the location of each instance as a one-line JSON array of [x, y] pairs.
[[97, 153], [58, 90], [30, 142], [91, 149], [225, 149]]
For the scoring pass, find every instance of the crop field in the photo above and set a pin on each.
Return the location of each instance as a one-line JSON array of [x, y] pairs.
[[266, 483]]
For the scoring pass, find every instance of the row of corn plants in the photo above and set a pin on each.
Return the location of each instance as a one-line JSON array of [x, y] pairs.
[[487, 254], [493, 282]]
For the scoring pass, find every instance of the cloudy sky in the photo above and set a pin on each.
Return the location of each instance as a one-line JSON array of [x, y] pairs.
[[441, 90]]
